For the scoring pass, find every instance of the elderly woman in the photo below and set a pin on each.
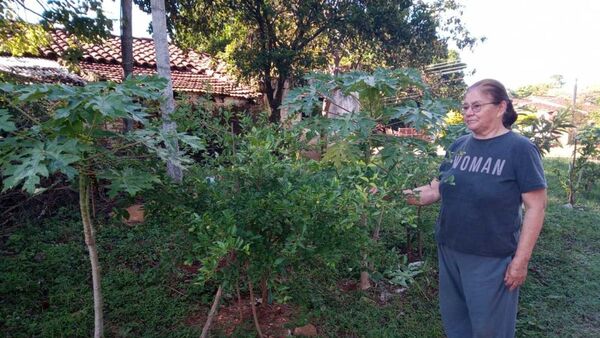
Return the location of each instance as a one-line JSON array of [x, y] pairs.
[[484, 241]]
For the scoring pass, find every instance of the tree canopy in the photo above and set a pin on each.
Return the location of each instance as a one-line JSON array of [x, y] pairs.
[[274, 41]]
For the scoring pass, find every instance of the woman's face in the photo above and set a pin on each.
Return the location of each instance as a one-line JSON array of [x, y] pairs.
[[489, 116]]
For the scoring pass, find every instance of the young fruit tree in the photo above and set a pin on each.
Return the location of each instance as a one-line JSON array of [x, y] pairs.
[[258, 212], [56, 133], [362, 147]]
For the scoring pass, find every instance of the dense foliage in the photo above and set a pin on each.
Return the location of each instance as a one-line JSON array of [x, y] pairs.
[[69, 137], [149, 293], [276, 42], [51, 129], [252, 210]]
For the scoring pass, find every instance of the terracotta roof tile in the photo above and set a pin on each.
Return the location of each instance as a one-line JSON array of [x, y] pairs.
[[191, 71], [182, 80]]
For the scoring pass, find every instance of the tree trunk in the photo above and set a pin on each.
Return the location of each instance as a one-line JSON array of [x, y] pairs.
[[572, 187], [419, 233], [239, 297], [275, 96], [213, 311], [126, 49], [90, 240], [409, 248], [365, 282], [264, 290], [161, 46], [253, 306]]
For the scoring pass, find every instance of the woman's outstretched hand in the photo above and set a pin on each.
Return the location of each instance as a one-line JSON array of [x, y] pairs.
[[411, 197], [423, 195]]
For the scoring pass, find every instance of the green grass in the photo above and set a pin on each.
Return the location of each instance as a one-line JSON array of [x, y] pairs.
[[45, 285], [562, 295]]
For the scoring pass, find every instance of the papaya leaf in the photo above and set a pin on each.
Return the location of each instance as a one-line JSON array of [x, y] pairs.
[[64, 112], [340, 153], [302, 99], [128, 180], [61, 155], [26, 168], [36, 159], [60, 92], [143, 86], [32, 93], [7, 87], [137, 114], [193, 141], [109, 105], [161, 143], [5, 123]]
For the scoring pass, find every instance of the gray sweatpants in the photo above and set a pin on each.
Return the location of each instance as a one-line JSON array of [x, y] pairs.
[[474, 301]]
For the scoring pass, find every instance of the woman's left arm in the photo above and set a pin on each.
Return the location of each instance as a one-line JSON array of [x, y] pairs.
[[535, 206]]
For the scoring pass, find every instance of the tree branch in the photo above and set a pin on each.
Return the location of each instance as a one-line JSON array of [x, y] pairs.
[[22, 111], [308, 40]]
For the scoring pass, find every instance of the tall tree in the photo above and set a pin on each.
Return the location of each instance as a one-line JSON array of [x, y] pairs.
[[274, 41], [127, 48], [163, 65]]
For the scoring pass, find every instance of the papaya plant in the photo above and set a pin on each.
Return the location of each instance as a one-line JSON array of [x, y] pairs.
[[544, 132], [71, 139], [367, 159]]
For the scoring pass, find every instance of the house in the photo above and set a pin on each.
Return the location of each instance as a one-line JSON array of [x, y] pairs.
[[544, 105], [192, 72]]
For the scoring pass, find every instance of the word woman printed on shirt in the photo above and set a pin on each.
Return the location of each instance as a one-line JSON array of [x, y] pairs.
[[478, 164]]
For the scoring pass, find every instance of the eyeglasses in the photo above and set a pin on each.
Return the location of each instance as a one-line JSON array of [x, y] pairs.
[[475, 107]]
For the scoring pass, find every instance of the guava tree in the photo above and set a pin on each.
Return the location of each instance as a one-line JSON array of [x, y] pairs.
[[257, 210], [367, 159], [59, 132]]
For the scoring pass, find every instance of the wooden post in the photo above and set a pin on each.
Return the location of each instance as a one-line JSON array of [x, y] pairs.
[[573, 168]]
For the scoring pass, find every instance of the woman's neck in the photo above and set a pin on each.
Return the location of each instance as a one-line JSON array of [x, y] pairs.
[[487, 134]]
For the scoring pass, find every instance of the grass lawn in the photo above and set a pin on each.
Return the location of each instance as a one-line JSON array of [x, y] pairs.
[[45, 284]]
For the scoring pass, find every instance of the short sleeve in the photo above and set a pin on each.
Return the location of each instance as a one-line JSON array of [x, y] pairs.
[[529, 168]]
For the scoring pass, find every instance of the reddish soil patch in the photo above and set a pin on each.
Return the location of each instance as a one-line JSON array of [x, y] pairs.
[[272, 318], [347, 285]]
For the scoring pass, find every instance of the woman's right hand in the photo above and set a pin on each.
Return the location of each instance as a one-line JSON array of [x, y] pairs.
[[411, 197], [423, 195]]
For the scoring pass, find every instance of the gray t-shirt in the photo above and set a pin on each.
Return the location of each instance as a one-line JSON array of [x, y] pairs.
[[481, 186]]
